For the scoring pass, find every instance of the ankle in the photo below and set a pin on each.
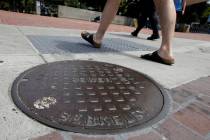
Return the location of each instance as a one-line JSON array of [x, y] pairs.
[[97, 38], [165, 52]]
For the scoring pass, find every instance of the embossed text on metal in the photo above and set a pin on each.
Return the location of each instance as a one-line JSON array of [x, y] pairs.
[[88, 97]]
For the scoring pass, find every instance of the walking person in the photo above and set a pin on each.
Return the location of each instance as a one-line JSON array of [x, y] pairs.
[[167, 14], [180, 6], [147, 10]]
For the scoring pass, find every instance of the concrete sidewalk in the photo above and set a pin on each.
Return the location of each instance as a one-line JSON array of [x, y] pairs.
[[22, 47], [22, 19]]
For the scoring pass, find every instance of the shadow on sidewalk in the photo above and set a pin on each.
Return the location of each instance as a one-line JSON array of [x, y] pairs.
[[66, 44]]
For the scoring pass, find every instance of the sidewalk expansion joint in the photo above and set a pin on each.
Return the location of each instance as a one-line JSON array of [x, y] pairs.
[[34, 48]]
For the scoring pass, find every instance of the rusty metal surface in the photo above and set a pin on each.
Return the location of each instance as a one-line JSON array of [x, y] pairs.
[[88, 97]]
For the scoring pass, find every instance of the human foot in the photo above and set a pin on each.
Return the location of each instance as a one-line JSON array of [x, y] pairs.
[[155, 57], [134, 33], [90, 38]]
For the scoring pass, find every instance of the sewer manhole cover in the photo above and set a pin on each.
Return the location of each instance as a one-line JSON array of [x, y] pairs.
[[88, 97]]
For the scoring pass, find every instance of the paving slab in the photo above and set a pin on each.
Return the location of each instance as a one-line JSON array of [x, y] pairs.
[[195, 116], [14, 124], [173, 130], [23, 47], [13, 42], [14, 18], [187, 67]]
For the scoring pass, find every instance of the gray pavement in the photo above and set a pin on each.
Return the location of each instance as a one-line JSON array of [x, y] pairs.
[[24, 47]]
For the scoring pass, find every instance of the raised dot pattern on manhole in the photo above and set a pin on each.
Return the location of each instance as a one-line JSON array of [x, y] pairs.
[[88, 96]]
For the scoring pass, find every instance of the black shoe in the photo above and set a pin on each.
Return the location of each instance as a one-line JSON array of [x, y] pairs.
[[155, 57], [89, 38], [153, 37], [134, 34]]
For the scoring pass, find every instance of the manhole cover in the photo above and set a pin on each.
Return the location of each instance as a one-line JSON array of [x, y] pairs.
[[88, 97]]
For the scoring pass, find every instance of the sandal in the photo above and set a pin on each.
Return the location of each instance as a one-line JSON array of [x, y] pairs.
[[89, 38], [156, 58]]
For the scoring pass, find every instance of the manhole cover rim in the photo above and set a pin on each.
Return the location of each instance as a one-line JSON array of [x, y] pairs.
[[156, 119]]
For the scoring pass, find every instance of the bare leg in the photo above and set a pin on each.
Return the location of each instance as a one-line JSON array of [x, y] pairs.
[[167, 14], [108, 15]]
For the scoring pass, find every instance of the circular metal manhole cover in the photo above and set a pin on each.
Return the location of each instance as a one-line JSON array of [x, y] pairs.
[[88, 97]]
